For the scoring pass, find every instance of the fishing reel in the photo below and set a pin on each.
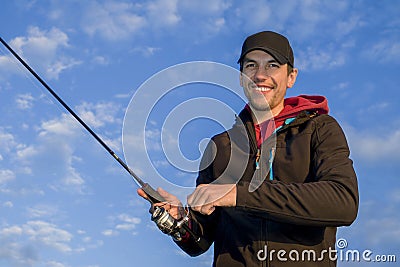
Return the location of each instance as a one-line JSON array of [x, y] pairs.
[[168, 224]]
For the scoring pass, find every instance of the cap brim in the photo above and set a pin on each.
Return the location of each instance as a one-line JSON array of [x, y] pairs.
[[277, 56]]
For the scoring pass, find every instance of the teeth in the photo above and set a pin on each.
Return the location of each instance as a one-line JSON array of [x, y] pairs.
[[263, 89]]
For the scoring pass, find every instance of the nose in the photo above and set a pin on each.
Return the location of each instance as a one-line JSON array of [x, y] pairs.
[[261, 74]]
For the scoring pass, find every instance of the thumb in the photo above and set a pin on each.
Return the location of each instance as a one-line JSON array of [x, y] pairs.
[[141, 193], [171, 199]]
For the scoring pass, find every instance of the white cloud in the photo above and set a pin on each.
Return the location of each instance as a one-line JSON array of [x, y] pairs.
[[205, 7], [49, 235], [350, 24], [6, 176], [24, 153], [12, 230], [56, 68], [153, 139], [375, 146], [123, 96], [125, 227], [58, 137], [41, 41], [128, 219], [42, 211], [146, 51], [43, 50], [299, 18], [21, 244], [24, 101], [118, 21], [81, 232], [254, 14], [320, 58], [7, 141], [101, 60], [73, 179], [98, 114], [395, 196], [384, 51], [93, 114], [112, 20], [55, 264], [123, 222], [8, 204], [391, 230], [110, 232], [36, 242], [8, 66], [64, 126], [163, 13]]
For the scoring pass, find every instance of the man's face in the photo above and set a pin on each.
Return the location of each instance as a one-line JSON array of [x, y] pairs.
[[265, 81]]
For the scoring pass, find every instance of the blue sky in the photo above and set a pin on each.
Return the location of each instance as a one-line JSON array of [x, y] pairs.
[[65, 202]]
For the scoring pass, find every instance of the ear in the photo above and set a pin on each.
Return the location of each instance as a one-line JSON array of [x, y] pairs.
[[241, 79], [292, 78]]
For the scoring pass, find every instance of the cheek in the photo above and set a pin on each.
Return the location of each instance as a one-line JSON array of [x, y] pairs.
[[284, 81]]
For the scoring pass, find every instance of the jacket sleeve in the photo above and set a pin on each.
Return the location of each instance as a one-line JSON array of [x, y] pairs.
[[202, 225], [331, 199]]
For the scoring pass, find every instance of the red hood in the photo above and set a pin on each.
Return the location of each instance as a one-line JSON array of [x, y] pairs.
[[293, 106]]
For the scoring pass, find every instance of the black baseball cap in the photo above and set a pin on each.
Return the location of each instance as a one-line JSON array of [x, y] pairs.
[[273, 43]]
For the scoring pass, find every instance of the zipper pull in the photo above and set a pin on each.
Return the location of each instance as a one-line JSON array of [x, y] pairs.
[[258, 159], [271, 161]]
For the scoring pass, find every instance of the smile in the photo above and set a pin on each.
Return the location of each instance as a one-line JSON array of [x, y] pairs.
[[263, 89]]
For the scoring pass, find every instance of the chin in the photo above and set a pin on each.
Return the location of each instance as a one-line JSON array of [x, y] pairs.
[[260, 106]]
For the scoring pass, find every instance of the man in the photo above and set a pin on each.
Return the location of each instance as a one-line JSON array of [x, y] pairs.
[[288, 215]]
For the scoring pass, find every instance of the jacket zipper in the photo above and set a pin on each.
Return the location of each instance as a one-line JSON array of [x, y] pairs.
[[258, 159], [264, 230]]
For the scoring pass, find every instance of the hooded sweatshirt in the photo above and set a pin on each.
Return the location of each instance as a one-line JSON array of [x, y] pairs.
[[292, 107]]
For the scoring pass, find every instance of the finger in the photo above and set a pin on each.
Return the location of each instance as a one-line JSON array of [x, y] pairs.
[[206, 209], [174, 213], [192, 198], [189, 199], [198, 197], [171, 199], [167, 196], [141, 193], [195, 208]]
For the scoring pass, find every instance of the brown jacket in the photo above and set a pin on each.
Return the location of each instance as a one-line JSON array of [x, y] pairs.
[[291, 219]]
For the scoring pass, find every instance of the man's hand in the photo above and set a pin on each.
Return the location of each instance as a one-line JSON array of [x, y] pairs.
[[171, 204], [206, 197]]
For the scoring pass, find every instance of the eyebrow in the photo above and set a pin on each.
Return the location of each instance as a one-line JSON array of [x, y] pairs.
[[246, 60]]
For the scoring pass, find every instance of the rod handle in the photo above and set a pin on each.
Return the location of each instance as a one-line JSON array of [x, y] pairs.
[[152, 194]]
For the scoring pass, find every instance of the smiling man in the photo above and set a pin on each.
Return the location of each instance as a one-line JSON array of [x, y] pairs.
[[287, 216]]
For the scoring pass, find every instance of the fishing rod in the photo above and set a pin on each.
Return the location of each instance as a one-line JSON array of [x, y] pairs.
[[165, 222], [153, 195]]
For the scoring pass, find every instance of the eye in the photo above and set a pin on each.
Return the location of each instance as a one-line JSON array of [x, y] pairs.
[[250, 65], [274, 65]]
